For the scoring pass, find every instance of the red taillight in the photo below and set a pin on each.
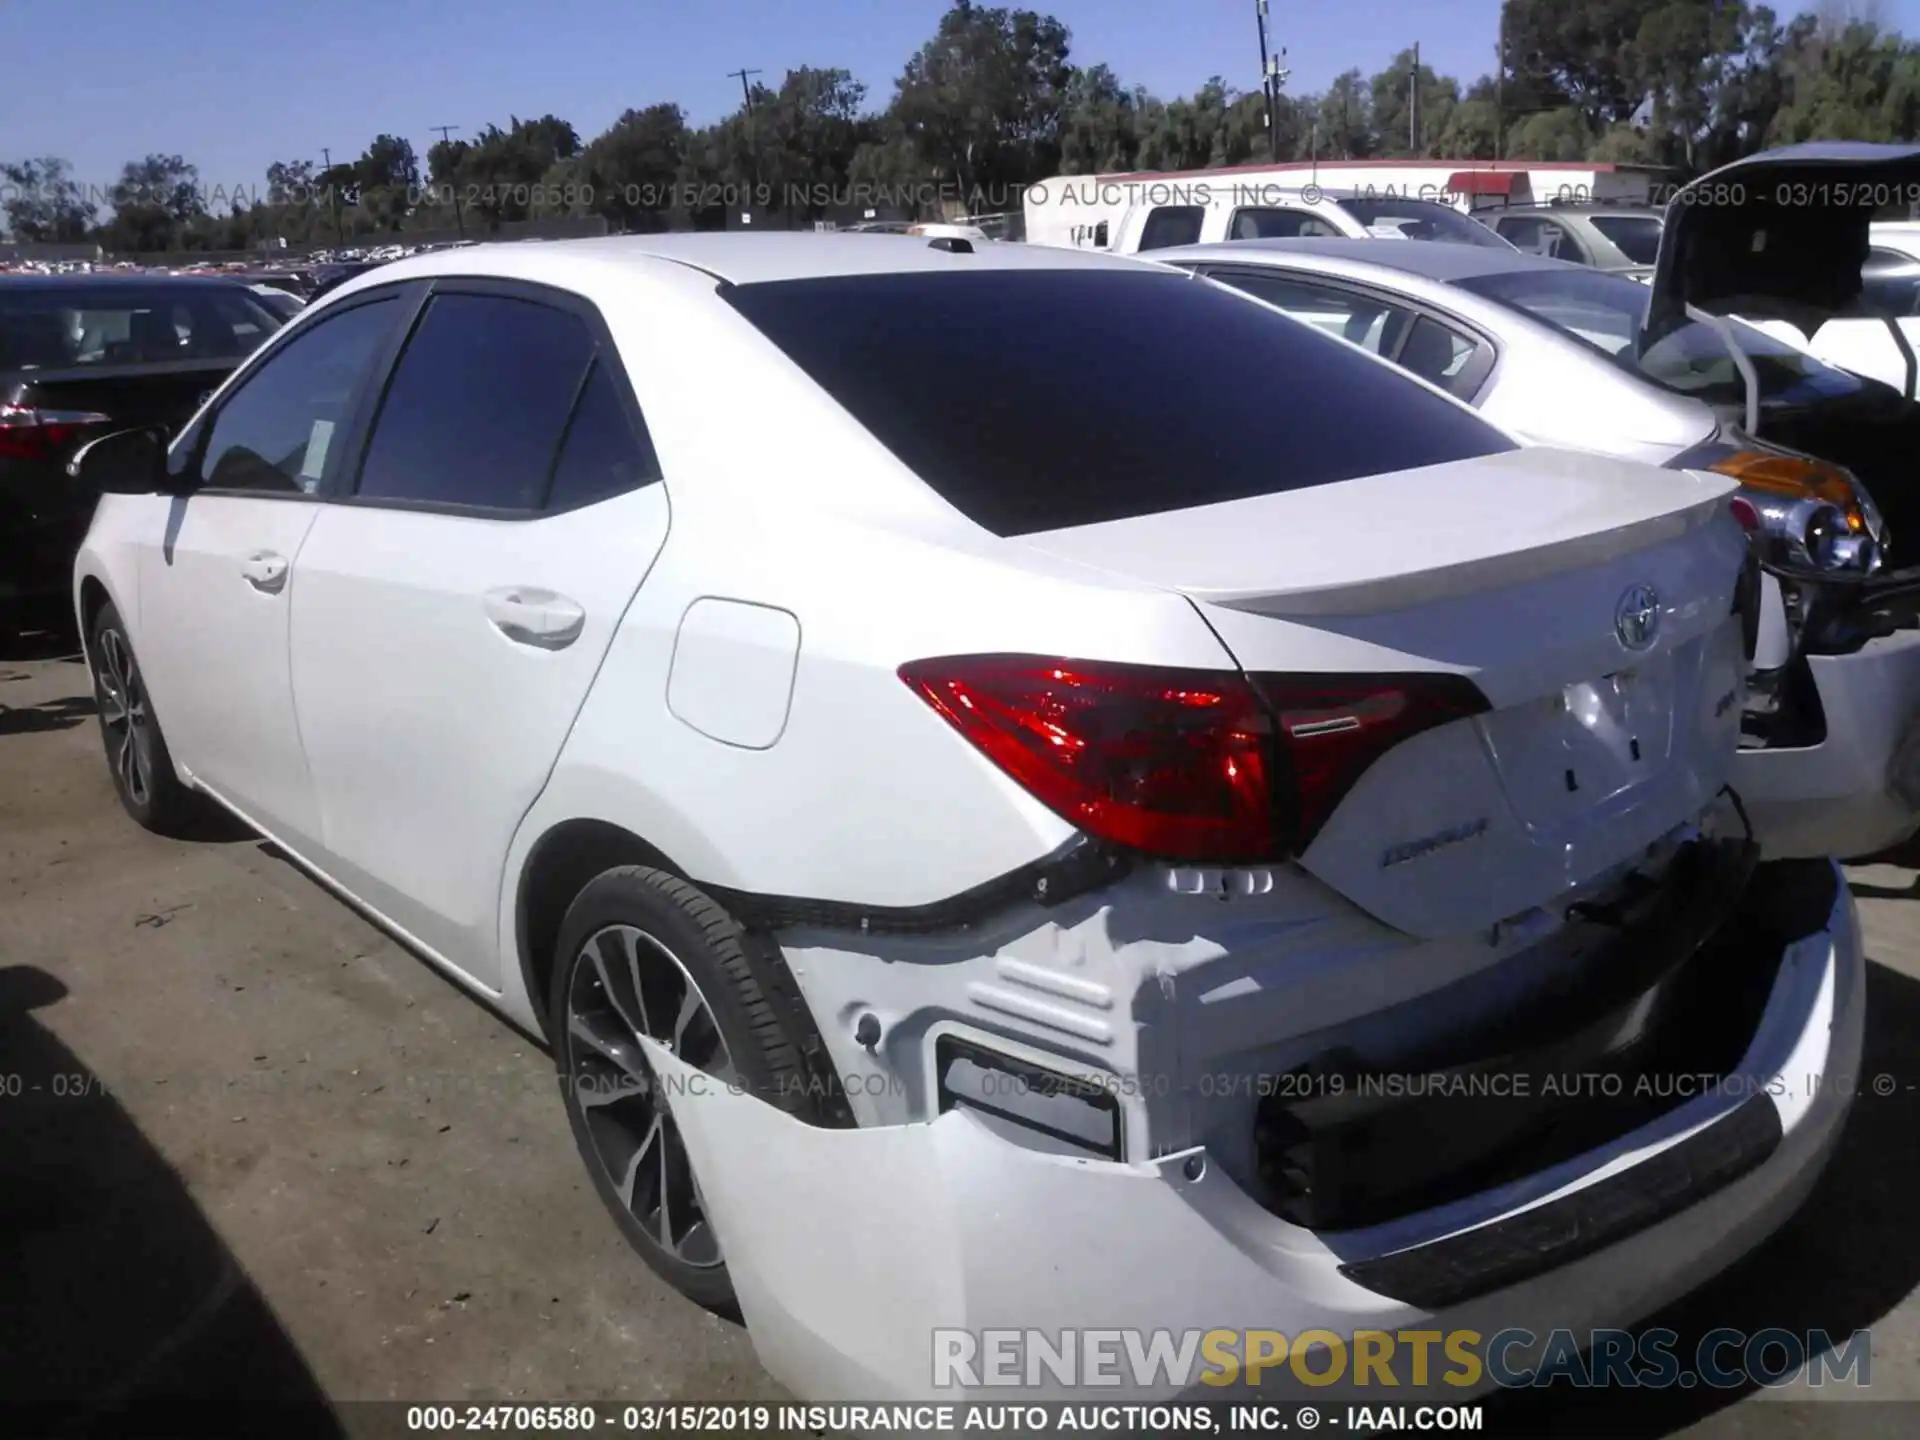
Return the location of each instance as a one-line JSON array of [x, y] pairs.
[[30, 434], [1184, 764], [1745, 512]]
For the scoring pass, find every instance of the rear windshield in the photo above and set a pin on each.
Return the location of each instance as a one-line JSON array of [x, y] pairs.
[[1401, 219], [70, 327], [1635, 236], [1606, 312], [1036, 400]]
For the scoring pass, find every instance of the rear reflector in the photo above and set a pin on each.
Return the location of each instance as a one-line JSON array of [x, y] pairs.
[[1190, 765]]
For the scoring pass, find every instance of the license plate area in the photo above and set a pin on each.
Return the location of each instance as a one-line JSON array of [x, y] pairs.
[[1562, 756]]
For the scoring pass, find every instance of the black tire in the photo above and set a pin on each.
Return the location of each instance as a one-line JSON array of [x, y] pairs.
[[137, 754], [683, 938]]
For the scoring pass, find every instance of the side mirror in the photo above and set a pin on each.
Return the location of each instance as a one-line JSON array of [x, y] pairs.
[[127, 462]]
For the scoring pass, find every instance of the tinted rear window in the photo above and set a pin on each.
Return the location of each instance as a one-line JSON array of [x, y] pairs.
[[1040, 399], [67, 327]]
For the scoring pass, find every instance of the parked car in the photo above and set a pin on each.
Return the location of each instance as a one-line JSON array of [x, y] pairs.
[[1548, 350], [1204, 213], [968, 826], [282, 302], [1607, 237], [80, 355], [332, 276]]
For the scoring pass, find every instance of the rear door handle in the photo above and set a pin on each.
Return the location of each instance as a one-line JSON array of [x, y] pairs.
[[265, 571], [539, 618]]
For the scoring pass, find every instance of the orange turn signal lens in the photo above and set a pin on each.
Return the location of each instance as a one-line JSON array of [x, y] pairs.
[[1796, 478]]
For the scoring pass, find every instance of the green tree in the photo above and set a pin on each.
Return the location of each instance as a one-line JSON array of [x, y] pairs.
[[806, 136], [1100, 123], [630, 170], [44, 202], [982, 101], [154, 202], [386, 179], [1391, 96], [1344, 115]]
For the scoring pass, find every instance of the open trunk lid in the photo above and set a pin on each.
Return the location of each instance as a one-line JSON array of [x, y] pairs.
[[1590, 601], [1778, 236]]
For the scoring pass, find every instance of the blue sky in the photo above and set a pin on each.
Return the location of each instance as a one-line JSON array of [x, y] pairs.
[[232, 86]]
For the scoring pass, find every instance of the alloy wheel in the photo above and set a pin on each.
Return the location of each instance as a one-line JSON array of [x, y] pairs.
[[125, 717], [627, 984]]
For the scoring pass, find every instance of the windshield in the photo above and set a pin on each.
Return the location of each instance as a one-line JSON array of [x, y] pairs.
[[1394, 219], [1635, 236], [67, 327], [1606, 312]]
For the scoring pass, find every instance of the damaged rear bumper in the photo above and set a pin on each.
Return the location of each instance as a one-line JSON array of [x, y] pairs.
[[850, 1248], [1857, 791]]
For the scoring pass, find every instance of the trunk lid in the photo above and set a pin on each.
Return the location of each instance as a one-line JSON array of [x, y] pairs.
[[1590, 600], [129, 395], [1780, 235]]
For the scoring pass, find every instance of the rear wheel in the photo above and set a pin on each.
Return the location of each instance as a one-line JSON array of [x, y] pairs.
[[645, 953], [137, 755]]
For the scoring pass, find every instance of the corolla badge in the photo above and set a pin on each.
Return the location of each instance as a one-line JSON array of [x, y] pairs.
[[1636, 619]]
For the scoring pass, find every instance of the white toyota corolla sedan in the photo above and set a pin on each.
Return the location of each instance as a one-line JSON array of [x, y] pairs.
[[991, 833]]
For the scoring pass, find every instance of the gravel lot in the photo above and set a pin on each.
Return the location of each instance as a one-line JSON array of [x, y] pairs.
[[272, 1154]]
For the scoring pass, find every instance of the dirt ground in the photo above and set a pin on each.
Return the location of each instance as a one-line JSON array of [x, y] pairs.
[[272, 1155]]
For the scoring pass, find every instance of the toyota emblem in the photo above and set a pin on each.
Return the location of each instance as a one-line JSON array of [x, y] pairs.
[[1636, 619]]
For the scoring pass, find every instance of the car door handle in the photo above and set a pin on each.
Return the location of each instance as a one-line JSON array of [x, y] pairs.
[[539, 618], [265, 571]]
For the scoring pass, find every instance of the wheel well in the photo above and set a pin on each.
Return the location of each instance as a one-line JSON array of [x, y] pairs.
[[93, 595], [562, 862]]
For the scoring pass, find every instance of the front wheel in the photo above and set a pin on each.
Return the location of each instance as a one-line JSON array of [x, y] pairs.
[[642, 952], [137, 756]]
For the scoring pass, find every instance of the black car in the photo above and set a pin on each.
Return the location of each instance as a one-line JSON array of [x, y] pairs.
[[328, 277], [84, 355]]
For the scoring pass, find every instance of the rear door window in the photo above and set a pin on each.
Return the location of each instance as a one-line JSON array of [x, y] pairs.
[[602, 454], [1172, 225], [1354, 318], [478, 404], [1437, 353], [1035, 400]]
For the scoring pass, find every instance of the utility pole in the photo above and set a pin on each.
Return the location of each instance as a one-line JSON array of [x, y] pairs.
[[1413, 103], [753, 140], [1272, 77], [333, 201], [1499, 91], [446, 133]]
